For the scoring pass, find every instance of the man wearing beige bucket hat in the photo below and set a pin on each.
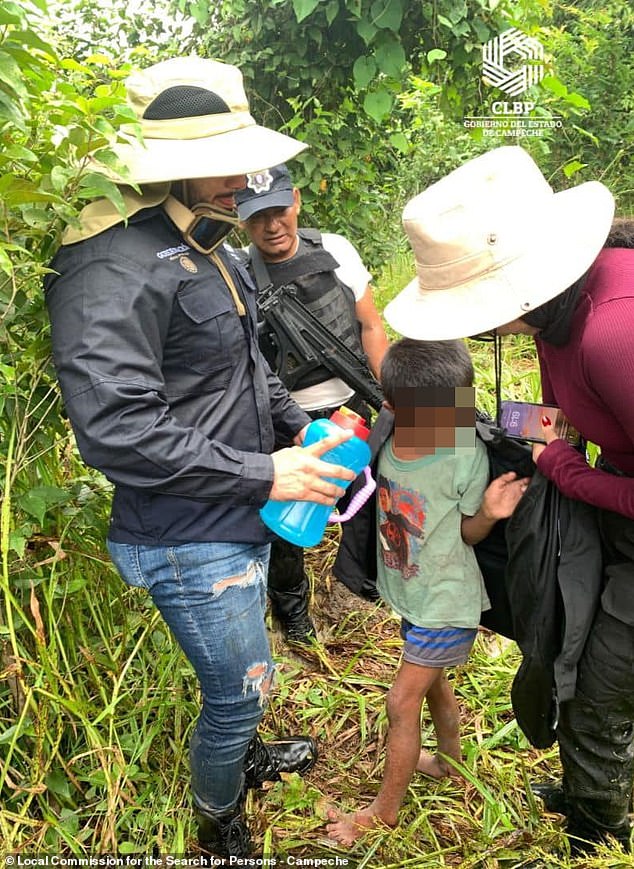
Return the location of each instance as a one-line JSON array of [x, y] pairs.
[[155, 345], [497, 249]]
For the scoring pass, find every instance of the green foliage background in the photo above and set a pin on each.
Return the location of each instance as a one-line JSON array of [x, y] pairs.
[[93, 736]]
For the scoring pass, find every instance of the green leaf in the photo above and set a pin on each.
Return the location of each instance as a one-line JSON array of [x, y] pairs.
[[70, 587], [458, 12], [390, 58], [559, 89], [24, 728], [7, 17], [69, 821], [23, 191], [18, 152], [332, 10], [11, 75], [571, 168], [303, 8], [481, 31], [552, 84], [6, 265], [8, 373], [461, 28], [363, 71], [366, 30], [95, 185], [17, 542], [57, 783], [436, 54], [59, 177], [28, 37], [13, 9], [200, 12], [11, 110], [71, 64], [578, 100], [128, 848], [378, 104], [99, 60], [37, 501], [399, 141], [387, 14]]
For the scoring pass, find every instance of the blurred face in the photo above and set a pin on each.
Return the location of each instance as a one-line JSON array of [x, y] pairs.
[[216, 192], [274, 230], [423, 424]]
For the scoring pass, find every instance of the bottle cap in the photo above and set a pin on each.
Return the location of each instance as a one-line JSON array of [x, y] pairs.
[[348, 419]]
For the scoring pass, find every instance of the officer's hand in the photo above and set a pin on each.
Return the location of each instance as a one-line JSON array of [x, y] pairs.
[[299, 473]]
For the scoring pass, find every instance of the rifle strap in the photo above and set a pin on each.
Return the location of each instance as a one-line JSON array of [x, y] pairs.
[[260, 272]]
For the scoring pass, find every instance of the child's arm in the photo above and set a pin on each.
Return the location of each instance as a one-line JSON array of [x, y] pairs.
[[500, 499]]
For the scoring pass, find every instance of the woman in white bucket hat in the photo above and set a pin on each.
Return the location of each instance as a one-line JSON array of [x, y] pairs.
[[497, 249], [155, 343]]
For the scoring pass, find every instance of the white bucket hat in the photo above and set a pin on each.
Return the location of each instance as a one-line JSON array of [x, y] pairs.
[[492, 241], [195, 123]]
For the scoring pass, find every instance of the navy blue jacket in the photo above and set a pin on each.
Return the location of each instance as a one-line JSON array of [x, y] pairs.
[[167, 391]]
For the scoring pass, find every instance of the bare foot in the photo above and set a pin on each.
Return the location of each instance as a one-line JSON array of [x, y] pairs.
[[346, 829], [434, 766]]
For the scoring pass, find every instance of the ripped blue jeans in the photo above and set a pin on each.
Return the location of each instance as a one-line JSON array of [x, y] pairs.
[[213, 597]]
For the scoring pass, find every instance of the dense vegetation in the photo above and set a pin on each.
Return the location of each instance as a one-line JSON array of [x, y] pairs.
[[96, 703]]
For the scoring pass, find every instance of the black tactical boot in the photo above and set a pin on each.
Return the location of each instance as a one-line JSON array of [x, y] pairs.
[[224, 834], [290, 608], [592, 821], [265, 761], [552, 796], [298, 629], [288, 589]]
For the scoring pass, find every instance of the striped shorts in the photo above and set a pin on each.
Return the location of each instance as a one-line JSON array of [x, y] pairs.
[[436, 647]]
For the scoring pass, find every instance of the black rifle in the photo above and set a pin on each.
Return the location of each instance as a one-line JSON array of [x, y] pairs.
[[300, 334]]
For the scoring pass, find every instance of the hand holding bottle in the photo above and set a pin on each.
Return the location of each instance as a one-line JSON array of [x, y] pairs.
[[301, 498], [300, 475]]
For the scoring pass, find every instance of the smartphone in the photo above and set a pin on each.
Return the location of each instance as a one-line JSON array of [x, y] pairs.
[[522, 421]]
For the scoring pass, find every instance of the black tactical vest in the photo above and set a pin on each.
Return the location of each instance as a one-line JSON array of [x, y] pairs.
[[311, 275]]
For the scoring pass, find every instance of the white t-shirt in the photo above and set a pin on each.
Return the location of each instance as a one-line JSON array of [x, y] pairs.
[[354, 274]]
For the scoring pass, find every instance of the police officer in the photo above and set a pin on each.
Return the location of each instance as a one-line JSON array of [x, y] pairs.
[[155, 345], [326, 273]]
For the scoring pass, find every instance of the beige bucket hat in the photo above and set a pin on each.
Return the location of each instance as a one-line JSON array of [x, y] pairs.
[[195, 123], [492, 241]]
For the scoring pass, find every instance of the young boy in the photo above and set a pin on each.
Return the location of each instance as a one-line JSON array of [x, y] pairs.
[[433, 506]]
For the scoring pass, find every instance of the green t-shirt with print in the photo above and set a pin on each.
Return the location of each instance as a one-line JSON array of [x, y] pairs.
[[426, 571]]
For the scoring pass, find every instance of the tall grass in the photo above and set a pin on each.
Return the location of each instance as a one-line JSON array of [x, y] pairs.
[[97, 704]]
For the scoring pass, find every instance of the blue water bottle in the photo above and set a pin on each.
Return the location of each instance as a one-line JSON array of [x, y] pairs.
[[304, 522]]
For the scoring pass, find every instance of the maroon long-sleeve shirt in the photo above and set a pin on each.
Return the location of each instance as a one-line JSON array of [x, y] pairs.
[[591, 378]]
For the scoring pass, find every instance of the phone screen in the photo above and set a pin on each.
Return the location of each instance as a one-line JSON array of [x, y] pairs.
[[522, 420]]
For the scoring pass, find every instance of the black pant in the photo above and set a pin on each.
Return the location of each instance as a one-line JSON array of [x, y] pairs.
[[595, 730]]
